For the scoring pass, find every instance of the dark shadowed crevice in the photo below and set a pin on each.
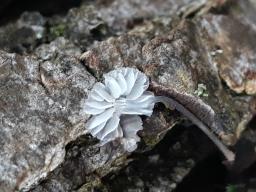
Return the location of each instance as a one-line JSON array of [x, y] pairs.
[[13, 9], [212, 176], [252, 123], [208, 175], [157, 168]]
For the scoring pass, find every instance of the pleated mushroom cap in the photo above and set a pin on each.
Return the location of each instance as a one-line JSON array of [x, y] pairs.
[[122, 95]]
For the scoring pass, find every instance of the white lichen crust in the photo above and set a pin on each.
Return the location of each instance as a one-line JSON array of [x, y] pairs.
[[116, 104]]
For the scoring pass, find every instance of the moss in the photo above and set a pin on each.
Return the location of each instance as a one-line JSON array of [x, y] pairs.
[[151, 141], [112, 165], [236, 9], [93, 182], [58, 30], [231, 188]]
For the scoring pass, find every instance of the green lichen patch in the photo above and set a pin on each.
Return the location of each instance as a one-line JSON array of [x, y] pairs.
[[57, 30], [201, 90]]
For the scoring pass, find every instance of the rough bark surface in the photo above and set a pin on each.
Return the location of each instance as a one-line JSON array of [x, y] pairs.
[[203, 50]]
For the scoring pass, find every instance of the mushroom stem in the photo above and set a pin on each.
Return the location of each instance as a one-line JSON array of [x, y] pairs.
[[172, 104]]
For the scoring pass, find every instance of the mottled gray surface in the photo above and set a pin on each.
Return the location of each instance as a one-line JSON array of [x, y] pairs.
[[234, 56], [41, 111], [24, 34], [48, 65], [130, 13], [178, 60]]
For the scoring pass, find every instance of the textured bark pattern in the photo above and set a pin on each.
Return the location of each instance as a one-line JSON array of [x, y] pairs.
[[48, 66]]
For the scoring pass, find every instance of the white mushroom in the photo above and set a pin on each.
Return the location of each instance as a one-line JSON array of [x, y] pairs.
[[117, 103], [123, 95]]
